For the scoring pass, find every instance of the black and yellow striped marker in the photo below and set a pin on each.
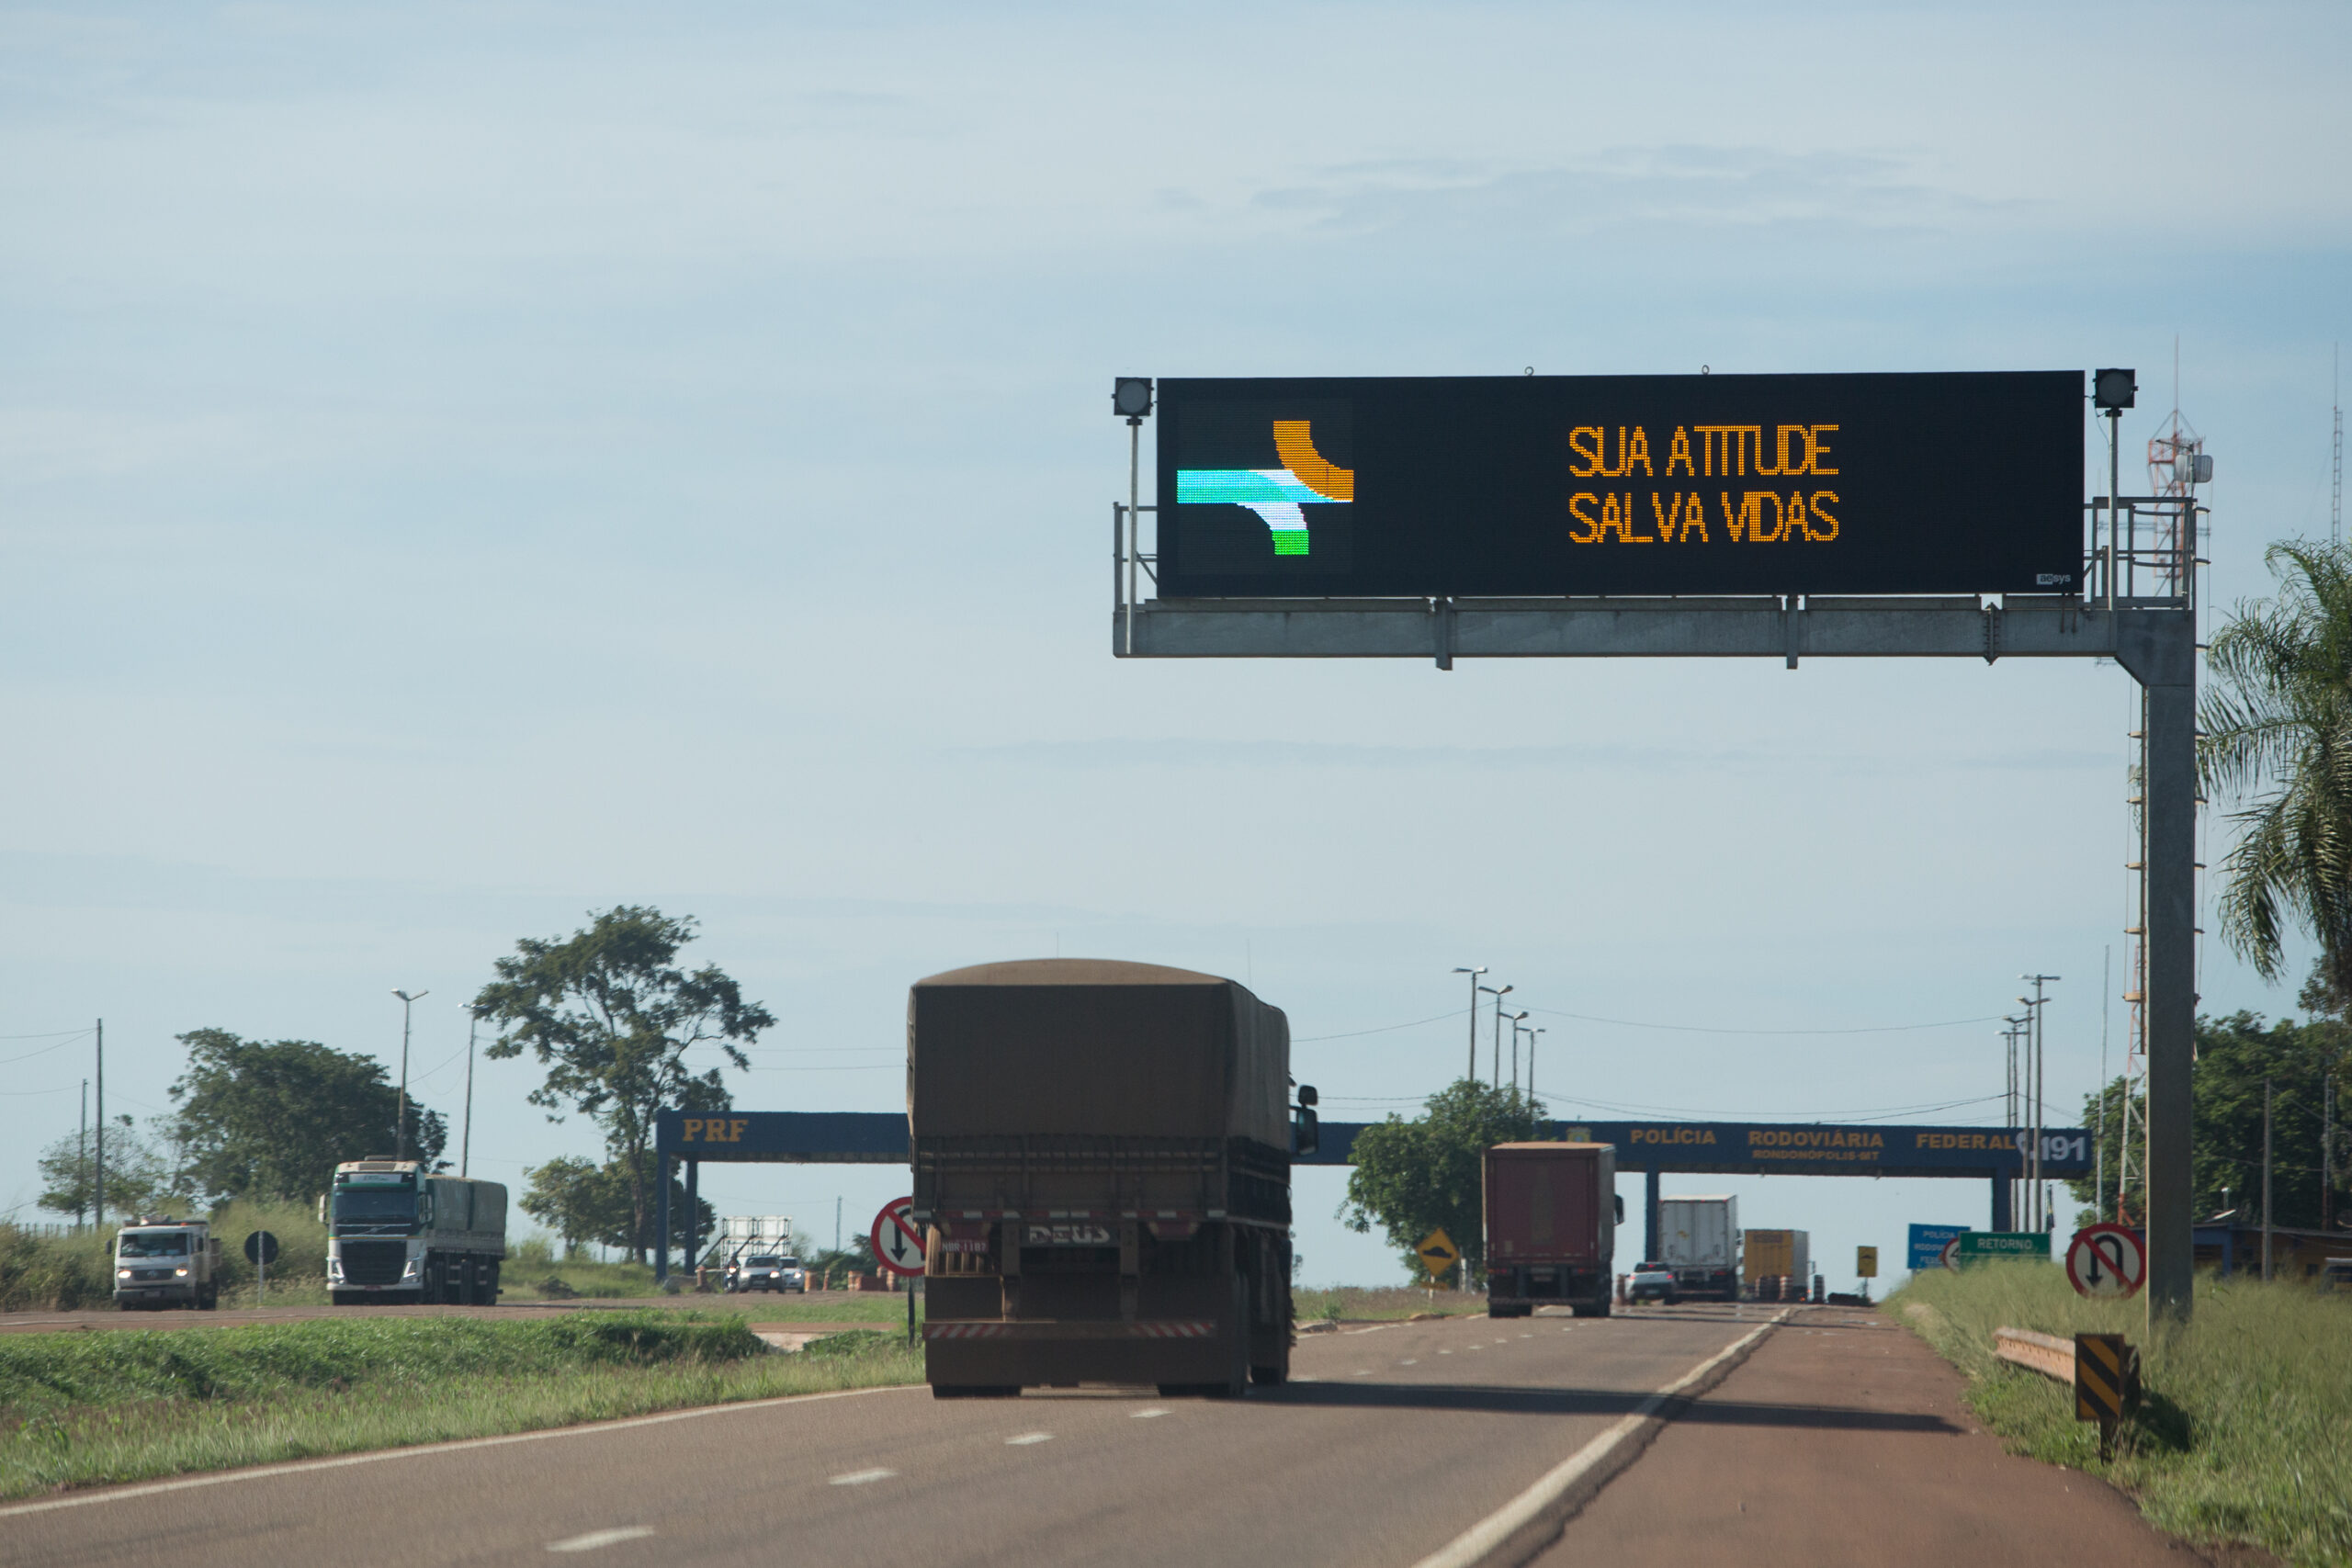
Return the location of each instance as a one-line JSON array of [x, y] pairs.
[[2098, 1384]]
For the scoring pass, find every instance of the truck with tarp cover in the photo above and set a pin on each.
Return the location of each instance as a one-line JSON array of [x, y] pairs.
[[1101, 1160], [396, 1233]]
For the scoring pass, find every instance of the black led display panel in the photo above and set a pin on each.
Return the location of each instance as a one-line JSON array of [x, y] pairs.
[[1962, 483]]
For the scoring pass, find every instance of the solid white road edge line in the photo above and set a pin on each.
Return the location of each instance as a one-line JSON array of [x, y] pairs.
[[1473, 1545], [297, 1467], [595, 1538]]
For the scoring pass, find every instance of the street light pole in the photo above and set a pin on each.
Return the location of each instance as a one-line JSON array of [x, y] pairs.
[[408, 1001], [1531, 1064], [1471, 1072], [2041, 1112], [1497, 1068], [1516, 1020]]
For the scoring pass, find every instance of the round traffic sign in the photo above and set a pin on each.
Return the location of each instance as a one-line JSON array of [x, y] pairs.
[[2106, 1260], [1950, 1258], [898, 1245], [261, 1248]]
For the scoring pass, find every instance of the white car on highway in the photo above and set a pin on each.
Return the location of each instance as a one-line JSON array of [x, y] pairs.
[[1651, 1282]]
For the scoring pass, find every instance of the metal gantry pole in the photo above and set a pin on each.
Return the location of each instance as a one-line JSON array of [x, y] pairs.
[[2167, 669]]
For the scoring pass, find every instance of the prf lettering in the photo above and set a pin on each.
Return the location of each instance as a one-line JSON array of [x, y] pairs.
[[714, 1129], [1657, 515]]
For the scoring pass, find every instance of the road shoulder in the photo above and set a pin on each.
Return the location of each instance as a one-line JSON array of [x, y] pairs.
[[1843, 1440]]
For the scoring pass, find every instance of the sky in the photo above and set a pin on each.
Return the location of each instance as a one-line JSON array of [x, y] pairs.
[[465, 467]]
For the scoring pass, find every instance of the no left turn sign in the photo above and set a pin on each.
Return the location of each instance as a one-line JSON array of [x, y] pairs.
[[898, 1245], [2106, 1260]]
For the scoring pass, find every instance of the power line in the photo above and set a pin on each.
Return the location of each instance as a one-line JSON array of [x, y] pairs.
[[78, 1034], [1383, 1029], [1703, 1029]]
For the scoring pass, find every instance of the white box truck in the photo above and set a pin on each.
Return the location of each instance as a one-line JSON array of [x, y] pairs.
[[396, 1233], [164, 1262], [1699, 1242]]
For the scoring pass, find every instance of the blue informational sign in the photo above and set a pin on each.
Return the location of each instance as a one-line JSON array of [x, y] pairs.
[[1927, 1244]]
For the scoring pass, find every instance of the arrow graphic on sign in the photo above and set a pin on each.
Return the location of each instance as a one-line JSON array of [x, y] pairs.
[[898, 1245]]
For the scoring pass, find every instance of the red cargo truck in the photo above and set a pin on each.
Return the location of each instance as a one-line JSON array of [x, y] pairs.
[[1552, 1215]]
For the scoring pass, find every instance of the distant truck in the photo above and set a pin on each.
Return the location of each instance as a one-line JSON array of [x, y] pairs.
[[396, 1233], [1102, 1159], [1551, 1213], [1699, 1241], [164, 1262], [1776, 1254]]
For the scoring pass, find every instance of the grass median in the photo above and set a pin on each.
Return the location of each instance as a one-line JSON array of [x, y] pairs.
[[84, 1409], [2245, 1434]]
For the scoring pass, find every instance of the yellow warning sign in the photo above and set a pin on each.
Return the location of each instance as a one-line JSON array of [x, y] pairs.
[[1866, 1262], [1436, 1252]]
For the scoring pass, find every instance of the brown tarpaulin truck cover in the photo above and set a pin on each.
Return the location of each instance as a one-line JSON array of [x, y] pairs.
[[1094, 1048]]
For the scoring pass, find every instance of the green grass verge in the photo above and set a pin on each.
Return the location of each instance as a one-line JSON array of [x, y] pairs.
[[2246, 1432], [1359, 1303], [82, 1409]]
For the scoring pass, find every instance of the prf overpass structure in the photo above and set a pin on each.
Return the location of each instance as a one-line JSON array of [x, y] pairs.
[[1996, 1155]]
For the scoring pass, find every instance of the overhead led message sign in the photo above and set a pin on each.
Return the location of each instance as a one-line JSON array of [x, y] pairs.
[[1965, 482]]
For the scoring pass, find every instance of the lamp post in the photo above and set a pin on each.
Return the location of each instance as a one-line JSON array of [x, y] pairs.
[[408, 1001], [1471, 1072], [2041, 1042], [1532, 1033], [1517, 1019], [1499, 1034]]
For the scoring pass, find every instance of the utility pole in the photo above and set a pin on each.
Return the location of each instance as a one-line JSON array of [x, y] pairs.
[[2266, 1181], [408, 1001], [465, 1142], [82, 1158], [98, 1166], [2099, 1133], [1471, 1072]]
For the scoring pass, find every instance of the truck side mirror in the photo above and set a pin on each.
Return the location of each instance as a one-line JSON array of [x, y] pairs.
[[1305, 1136], [1621, 1210], [1307, 1094], [322, 1208]]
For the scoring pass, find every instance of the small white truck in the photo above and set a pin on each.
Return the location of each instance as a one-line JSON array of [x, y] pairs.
[[165, 1262], [1698, 1239], [396, 1233]]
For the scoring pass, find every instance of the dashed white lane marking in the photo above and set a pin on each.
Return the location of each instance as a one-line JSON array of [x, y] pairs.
[[1445, 1352], [1360, 1373], [1527, 1336], [1411, 1361], [595, 1538], [1026, 1439], [861, 1477], [1148, 1414]]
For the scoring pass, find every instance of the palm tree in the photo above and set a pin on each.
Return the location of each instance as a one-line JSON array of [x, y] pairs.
[[2276, 733]]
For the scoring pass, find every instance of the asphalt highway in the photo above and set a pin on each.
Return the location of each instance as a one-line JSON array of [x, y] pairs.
[[1389, 1445]]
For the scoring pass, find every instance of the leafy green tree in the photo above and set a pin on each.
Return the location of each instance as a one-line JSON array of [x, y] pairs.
[[270, 1120], [2276, 723], [1416, 1177], [583, 1202], [2234, 1056], [140, 1178], [611, 1014]]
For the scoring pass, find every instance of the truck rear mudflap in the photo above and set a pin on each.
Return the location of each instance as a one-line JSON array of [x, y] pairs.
[[1011, 1353]]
